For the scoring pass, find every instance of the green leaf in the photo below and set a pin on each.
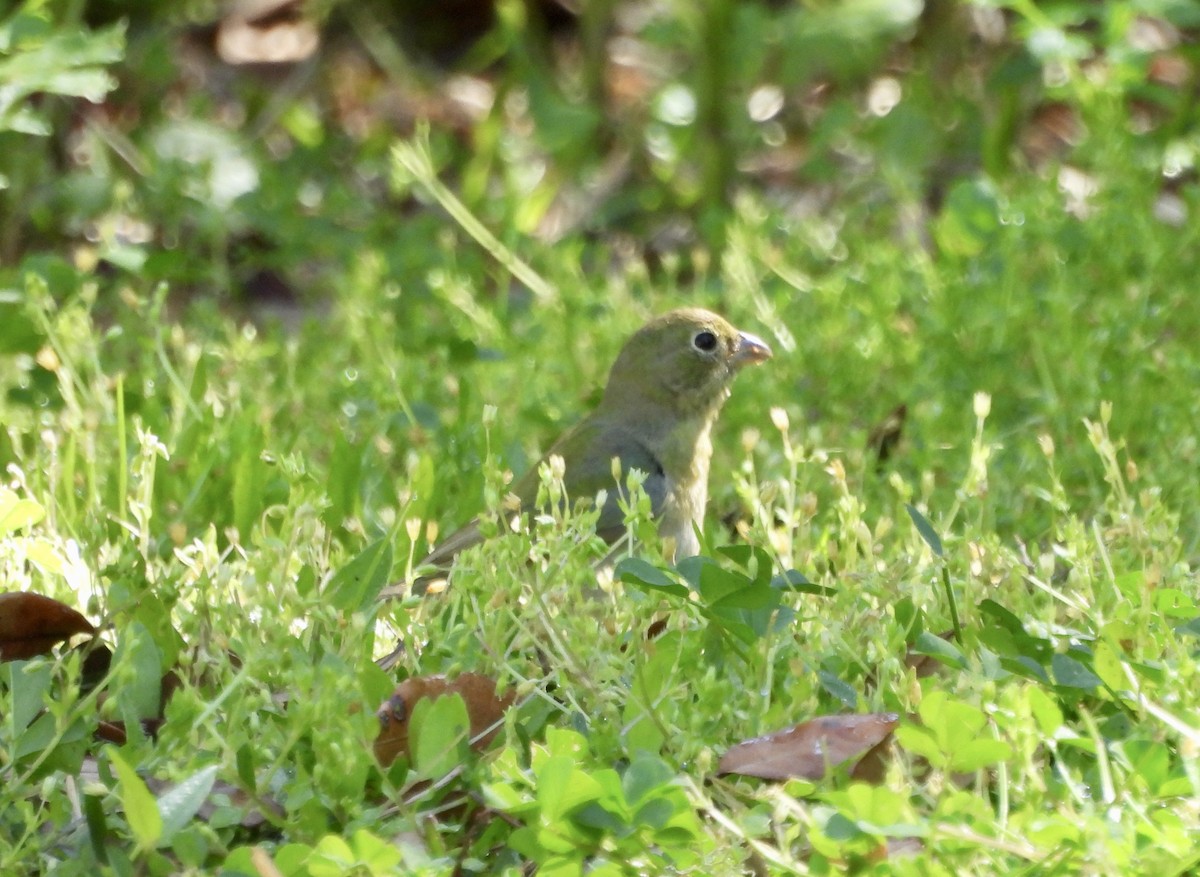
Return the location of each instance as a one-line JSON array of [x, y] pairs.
[[524, 842], [722, 589], [16, 513], [137, 672], [36, 738], [553, 779], [1107, 665], [921, 741], [179, 805], [22, 120], [1174, 603], [951, 722], [249, 477], [950, 735], [969, 219], [655, 812], [1070, 673], [372, 852], [650, 674], [956, 723], [1189, 628], [936, 647], [1131, 584], [18, 332], [561, 788], [1149, 759], [28, 682], [635, 571], [244, 760], [502, 796], [439, 732], [1006, 619], [331, 857], [422, 484], [753, 597], [97, 823], [38, 60], [910, 619], [925, 529], [646, 774], [342, 483], [355, 586], [728, 623], [795, 581], [840, 689], [155, 616], [747, 556], [974, 754], [1045, 710], [141, 810]]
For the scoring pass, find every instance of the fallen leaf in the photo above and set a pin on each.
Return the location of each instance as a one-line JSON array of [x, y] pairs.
[[1052, 131], [872, 766], [31, 624], [809, 749], [1172, 70], [485, 709], [16, 513]]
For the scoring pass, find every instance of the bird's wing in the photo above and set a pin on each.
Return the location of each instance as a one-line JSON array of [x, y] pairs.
[[588, 451], [460, 540], [441, 557]]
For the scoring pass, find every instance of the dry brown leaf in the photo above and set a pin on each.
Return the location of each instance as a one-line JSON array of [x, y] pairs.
[[1172, 70], [872, 767], [1053, 130], [31, 624], [111, 732], [809, 749], [485, 709]]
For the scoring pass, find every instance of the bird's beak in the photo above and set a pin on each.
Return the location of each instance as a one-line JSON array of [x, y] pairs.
[[751, 350]]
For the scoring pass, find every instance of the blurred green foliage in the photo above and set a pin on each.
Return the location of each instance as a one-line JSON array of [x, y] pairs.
[[636, 122]]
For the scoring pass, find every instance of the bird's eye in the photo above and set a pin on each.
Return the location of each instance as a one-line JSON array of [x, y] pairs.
[[705, 341]]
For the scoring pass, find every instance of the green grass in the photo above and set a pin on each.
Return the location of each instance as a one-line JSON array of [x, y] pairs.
[[223, 485], [203, 480]]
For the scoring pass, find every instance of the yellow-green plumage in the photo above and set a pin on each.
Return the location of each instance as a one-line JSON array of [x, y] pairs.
[[663, 395]]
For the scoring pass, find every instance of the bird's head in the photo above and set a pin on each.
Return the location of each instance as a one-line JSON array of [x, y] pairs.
[[682, 361]]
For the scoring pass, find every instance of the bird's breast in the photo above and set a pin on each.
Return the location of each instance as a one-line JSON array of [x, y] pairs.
[[686, 482]]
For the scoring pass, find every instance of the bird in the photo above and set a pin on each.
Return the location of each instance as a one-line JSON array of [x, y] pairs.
[[663, 395]]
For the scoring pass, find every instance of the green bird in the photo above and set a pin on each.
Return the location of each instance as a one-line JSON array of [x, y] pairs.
[[663, 395]]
